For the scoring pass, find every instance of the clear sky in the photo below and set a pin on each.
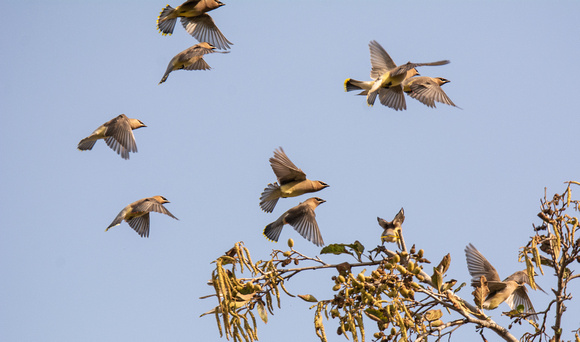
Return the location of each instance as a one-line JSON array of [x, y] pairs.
[[472, 175]]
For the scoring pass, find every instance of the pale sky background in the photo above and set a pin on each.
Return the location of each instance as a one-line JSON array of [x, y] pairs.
[[473, 175]]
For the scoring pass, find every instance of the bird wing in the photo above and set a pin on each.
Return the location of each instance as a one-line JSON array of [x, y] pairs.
[[520, 297], [401, 69], [303, 219], [284, 169], [384, 223], [478, 266], [397, 221], [427, 92], [399, 218], [393, 97], [381, 62], [200, 64], [140, 224], [204, 29], [495, 286], [189, 3], [120, 130], [188, 54], [150, 204]]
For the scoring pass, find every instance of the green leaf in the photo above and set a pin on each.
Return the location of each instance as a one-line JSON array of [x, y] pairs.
[[342, 248], [335, 248], [436, 278], [376, 315]]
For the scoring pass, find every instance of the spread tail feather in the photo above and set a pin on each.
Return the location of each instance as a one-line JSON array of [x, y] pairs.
[[273, 230], [86, 144], [166, 24], [269, 198]]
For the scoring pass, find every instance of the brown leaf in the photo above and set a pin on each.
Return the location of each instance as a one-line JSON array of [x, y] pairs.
[[481, 291]]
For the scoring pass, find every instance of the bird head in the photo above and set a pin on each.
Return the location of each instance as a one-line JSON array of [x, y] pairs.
[[322, 185], [318, 200], [135, 124], [442, 80], [161, 199]]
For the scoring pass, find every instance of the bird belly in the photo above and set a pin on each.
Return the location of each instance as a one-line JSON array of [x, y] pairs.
[[187, 12], [293, 189], [495, 299], [134, 214], [387, 81]]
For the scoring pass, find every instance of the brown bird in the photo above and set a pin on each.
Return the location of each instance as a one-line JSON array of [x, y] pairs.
[[195, 20], [190, 59], [302, 218], [512, 289], [118, 134], [392, 229], [427, 90], [387, 78], [292, 182], [137, 214]]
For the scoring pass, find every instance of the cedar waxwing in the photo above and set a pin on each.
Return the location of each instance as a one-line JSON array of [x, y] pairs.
[[392, 229], [512, 290], [118, 134], [302, 218], [137, 214], [292, 182], [387, 78], [190, 59], [427, 90], [195, 21]]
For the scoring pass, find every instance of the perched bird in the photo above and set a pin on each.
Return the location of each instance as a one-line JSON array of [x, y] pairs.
[[392, 229], [118, 134], [427, 90], [292, 182], [512, 289], [190, 59], [302, 218], [195, 20], [386, 78], [137, 214]]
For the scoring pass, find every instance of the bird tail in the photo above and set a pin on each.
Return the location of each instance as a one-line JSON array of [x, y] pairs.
[[273, 230], [166, 20], [117, 221], [371, 97], [169, 70], [350, 85], [86, 144], [269, 197]]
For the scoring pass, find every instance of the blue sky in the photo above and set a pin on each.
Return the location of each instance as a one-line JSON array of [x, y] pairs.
[[472, 175]]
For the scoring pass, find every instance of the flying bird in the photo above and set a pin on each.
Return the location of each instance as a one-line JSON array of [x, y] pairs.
[[137, 214], [292, 182], [190, 59], [427, 90], [387, 78], [392, 229], [195, 20], [302, 218], [117, 133], [512, 289]]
